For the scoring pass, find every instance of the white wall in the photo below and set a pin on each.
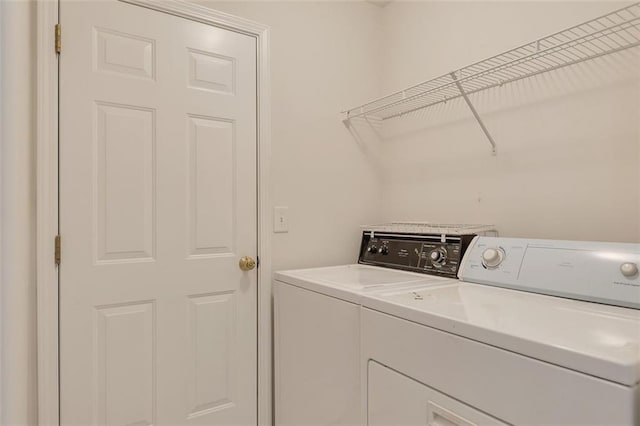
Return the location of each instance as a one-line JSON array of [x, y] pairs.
[[18, 298], [568, 141]]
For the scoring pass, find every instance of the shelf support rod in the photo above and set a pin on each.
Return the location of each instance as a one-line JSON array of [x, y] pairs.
[[475, 113]]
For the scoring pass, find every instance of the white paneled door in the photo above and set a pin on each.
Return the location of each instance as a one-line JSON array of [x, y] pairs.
[[157, 206]]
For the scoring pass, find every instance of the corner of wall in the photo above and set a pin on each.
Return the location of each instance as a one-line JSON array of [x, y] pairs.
[[17, 191]]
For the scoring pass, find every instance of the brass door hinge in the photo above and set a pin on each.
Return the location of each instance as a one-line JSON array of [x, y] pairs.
[[57, 254], [58, 38]]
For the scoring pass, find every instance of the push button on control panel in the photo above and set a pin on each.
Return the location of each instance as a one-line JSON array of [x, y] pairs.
[[492, 257], [438, 257], [373, 249], [629, 269]]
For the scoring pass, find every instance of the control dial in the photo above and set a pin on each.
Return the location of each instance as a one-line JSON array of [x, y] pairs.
[[384, 250], [373, 249], [438, 257], [492, 257], [629, 269]]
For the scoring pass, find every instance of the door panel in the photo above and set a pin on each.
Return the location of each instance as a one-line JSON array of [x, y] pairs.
[[210, 351], [212, 186], [125, 343], [125, 192], [157, 205]]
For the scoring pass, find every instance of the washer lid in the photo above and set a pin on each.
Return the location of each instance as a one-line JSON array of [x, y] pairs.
[[600, 340], [350, 281]]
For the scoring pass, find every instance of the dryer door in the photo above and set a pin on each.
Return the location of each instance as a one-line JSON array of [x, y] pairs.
[[395, 399]]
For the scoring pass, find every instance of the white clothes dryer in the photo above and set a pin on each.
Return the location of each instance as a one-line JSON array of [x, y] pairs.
[[466, 353]]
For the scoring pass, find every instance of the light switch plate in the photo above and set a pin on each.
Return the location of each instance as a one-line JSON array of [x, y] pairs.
[[280, 219]]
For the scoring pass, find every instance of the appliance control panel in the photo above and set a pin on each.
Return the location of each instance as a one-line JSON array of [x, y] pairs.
[[433, 254], [593, 271]]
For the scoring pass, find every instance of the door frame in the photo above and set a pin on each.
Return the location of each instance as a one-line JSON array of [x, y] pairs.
[[47, 190]]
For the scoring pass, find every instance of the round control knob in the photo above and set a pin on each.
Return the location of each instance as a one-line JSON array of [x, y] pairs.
[[373, 249], [629, 269], [492, 257], [438, 257], [384, 250]]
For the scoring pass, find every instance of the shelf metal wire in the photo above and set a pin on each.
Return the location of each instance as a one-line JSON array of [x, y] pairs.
[[610, 33]]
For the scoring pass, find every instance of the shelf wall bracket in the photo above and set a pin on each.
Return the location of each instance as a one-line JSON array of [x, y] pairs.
[[475, 113]]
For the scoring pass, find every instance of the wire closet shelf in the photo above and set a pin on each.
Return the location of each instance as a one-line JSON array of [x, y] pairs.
[[610, 33]]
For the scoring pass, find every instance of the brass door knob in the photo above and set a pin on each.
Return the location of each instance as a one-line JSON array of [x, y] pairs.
[[247, 263]]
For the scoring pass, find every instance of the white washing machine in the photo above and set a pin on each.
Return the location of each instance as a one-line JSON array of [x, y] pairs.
[[478, 351], [317, 316]]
